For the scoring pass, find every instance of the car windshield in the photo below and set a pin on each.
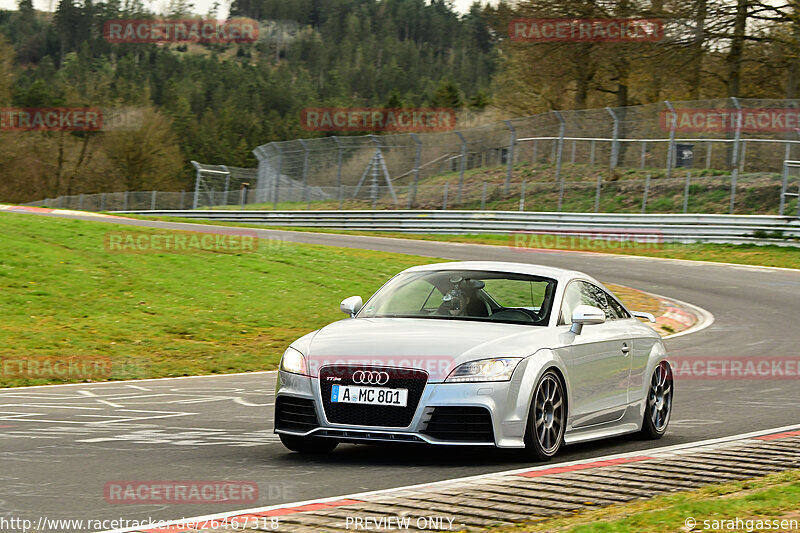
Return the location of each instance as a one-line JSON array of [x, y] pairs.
[[464, 295]]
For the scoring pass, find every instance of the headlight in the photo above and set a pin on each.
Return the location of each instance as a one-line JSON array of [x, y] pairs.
[[484, 370], [294, 362]]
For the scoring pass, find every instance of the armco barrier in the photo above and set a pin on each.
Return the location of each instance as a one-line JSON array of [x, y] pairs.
[[761, 229]]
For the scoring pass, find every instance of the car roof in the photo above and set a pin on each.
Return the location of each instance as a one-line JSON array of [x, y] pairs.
[[559, 274]]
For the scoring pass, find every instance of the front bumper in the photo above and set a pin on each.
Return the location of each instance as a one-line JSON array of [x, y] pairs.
[[500, 399]]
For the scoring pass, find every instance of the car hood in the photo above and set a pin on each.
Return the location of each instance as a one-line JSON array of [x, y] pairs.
[[434, 345]]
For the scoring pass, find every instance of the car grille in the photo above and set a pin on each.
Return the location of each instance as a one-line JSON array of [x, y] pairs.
[[295, 414], [466, 424], [372, 415]]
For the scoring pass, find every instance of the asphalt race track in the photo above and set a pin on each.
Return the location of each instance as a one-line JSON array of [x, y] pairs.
[[60, 445]]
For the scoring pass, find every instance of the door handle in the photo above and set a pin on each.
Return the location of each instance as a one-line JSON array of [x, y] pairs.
[[625, 348]]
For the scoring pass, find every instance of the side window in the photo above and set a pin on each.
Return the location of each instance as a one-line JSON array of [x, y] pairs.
[[616, 307], [604, 301], [583, 293]]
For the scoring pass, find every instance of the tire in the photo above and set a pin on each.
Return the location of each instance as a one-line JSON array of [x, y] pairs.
[[309, 445], [658, 405], [547, 418]]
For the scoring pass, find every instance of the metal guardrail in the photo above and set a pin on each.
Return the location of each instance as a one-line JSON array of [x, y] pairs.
[[736, 229]]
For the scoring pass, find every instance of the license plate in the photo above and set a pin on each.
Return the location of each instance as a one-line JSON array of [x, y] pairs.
[[369, 395]]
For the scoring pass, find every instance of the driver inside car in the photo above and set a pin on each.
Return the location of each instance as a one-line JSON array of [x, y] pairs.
[[463, 299]]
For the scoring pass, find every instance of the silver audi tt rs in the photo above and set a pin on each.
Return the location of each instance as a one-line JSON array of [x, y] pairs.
[[476, 353]]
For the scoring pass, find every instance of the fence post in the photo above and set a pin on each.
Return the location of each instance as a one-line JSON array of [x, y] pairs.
[[742, 156], [787, 153], [597, 194], [243, 196], [305, 161], [558, 158], [686, 193], [377, 164], [483, 197], [339, 154], [708, 154], [227, 184], [277, 184], [673, 123], [153, 201], [646, 191], [462, 167], [522, 197], [510, 155], [614, 138], [798, 201], [644, 153], [784, 186], [196, 184], [444, 199], [735, 156], [412, 197]]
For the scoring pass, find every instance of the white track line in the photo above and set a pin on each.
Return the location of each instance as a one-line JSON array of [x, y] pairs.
[[704, 318], [666, 450]]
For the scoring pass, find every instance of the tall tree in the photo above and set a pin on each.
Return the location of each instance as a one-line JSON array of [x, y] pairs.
[[735, 56]]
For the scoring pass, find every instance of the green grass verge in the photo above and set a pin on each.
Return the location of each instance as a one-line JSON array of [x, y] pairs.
[[165, 314], [772, 497], [743, 254]]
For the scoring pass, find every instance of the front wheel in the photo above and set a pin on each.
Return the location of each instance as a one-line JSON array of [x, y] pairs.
[[659, 402], [544, 433], [310, 445]]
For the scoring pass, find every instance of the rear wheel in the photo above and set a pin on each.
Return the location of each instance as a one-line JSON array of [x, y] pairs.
[[315, 445], [659, 402], [544, 433]]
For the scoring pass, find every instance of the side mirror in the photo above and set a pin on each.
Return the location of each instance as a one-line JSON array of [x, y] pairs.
[[586, 315], [351, 306]]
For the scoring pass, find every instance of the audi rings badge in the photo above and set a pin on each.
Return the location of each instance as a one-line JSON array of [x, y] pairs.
[[370, 377]]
